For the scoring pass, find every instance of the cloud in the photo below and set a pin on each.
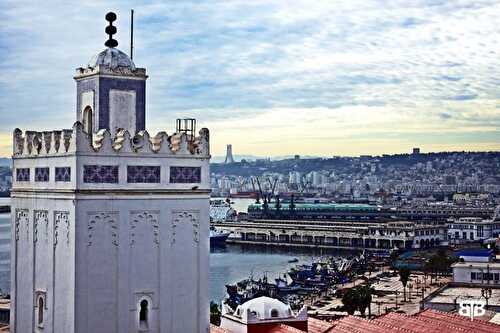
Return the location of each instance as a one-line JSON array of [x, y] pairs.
[[365, 64]]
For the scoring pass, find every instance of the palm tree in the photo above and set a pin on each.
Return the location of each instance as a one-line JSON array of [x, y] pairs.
[[365, 299], [404, 276], [351, 300], [214, 313]]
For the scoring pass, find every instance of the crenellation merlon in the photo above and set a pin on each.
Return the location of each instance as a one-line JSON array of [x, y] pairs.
[[75, 140]]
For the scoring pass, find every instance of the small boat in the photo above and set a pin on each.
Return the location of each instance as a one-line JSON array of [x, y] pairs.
[[218, 237], [293, 260]]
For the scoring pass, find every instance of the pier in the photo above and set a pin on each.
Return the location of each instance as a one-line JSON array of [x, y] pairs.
[[326, 234]]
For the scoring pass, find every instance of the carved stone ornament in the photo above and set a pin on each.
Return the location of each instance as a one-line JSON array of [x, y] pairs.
[[149, 217], [61, 219], [186, 217], [40, 218], [109, 219], [21, 217]]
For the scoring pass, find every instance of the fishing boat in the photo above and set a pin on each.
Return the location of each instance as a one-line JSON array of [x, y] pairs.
[[218, 237]]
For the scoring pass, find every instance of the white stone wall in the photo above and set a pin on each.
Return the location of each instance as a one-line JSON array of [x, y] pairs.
[[42, 248], [122, 110], [153, 248], [463, 274]]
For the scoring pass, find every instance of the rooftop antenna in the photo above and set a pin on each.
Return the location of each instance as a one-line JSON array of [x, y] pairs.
[[131, 34]]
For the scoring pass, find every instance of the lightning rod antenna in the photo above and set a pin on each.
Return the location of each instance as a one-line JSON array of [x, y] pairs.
[[131, 34]]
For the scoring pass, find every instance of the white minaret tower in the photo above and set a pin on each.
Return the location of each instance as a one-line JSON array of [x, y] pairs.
[[110, 225]]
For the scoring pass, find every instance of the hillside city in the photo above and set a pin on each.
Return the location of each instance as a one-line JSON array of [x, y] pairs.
[[470, 177]]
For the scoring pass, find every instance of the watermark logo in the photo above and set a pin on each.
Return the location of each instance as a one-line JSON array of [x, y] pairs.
[[472, 308]]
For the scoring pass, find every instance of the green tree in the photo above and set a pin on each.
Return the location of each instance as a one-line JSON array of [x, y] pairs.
[[351, 300], [438, 264], [214, 313], [404, 276], [365, 293]]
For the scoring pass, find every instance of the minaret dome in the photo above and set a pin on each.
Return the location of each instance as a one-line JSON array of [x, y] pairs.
[[111, 90]]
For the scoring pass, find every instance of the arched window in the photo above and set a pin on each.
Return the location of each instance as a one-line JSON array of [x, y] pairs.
[[274, 313], [40, 310], [143, 314], [87, 119]]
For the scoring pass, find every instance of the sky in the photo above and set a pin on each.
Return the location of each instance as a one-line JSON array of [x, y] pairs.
[[273, 78]]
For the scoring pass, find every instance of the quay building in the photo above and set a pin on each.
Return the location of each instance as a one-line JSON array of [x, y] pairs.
[[356, 226], [110, 223]]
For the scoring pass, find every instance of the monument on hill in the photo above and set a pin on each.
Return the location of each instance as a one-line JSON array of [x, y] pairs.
[[229, 154], [110, 224]]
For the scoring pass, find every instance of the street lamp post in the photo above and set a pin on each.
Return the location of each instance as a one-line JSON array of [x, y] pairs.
[[422, 305], [486, 293], [379, 303]]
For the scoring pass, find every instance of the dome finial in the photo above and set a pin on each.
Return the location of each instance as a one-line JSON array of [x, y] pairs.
[[111, 30]]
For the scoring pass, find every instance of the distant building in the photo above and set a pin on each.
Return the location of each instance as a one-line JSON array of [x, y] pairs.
[[294, 177], [416, 151], [477, 266], [472, 229], [450, 180]]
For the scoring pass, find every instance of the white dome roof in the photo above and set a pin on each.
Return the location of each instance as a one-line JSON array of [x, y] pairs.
[[265, 308], [112, 58]]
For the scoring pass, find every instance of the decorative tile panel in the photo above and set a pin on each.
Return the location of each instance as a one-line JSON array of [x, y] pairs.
[[100, 174], [143, 174], [63, 174], [180, 174], [41, 174], [23, 174]]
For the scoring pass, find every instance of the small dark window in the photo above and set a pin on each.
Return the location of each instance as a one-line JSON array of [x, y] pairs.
[[23, 174], [143, 314], [87, 120], [274, 313], [41, 174], [40, 311], [63, 174]]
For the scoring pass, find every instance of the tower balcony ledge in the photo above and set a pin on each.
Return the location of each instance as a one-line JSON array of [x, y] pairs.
[[75, 141]]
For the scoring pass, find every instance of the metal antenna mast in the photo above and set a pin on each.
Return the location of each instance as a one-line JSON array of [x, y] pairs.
[[131, 34]]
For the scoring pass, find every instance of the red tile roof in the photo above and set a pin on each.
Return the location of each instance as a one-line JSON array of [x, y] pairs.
[[478, 326], [427, 321], [318, 326], [282, 328]]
